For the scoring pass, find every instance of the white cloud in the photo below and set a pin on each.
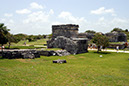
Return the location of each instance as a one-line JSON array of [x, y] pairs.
[[11, 21], [35, 5], [70, 18], [108, 24], [23, 11], [39, 16], [101, 19], [119, 20], [56, 23], [51, 11], [102, 10], [8, 15]]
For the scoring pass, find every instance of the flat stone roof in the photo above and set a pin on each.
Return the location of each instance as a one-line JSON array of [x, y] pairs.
[[66, 25]]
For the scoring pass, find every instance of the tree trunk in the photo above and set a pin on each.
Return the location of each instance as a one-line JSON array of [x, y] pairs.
[[98, 49], [9, 45], [2, 50]]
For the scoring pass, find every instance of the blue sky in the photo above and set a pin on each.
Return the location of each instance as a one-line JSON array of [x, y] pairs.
[[37, 16]]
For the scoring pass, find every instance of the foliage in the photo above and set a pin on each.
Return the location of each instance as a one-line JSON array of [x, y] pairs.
[[50, 36], [3, 34], [117, 30], [86, 69], [100, 40], [90, 31]]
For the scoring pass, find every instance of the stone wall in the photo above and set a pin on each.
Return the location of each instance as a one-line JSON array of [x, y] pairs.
[[72, 45], [31, 54], [25, 54], [69, 30]]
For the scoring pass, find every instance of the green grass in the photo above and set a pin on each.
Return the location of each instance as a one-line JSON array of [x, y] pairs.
[[25, 47], [29, 45], [38, 42], [88, 69]]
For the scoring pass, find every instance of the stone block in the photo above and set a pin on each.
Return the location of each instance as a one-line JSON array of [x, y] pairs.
[[59, 61]]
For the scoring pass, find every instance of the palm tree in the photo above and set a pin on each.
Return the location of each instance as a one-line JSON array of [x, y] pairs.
[[3, 35]]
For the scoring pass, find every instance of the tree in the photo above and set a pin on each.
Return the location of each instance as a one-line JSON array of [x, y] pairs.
[[117, 30], [126, 30], [100, 40], [3, 35], [90, 31], [12, 39]]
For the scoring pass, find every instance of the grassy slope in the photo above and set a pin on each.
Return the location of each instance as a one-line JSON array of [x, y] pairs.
[[81, 70]]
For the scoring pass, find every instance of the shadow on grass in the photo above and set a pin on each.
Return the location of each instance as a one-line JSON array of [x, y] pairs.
[[102, 52], [2, 57]]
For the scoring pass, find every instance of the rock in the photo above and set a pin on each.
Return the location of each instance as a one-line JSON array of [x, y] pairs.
[[47, 53], [59, 61], [62, 52], [28, 55]]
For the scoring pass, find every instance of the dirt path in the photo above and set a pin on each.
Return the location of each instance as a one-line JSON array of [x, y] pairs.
[[108, 50]]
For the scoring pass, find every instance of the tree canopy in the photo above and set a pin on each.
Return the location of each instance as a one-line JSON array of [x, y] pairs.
[[90, 31], [100, 40], [3, 34], [118, 30]]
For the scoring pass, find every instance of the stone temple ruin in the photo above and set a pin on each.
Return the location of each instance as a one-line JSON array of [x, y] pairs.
[[113, 36], [66, 37], [117, 36]]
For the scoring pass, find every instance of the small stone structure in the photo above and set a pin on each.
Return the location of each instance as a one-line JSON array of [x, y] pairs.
[[66, 37], [117, 37]]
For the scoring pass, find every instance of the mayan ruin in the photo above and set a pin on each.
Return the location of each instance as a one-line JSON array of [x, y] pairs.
[[66, 37]]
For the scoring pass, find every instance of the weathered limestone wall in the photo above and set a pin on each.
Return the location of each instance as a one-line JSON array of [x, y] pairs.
[[72, 45], [69, 30]]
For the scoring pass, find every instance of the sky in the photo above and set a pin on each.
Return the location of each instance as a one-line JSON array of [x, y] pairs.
[[37, 16]]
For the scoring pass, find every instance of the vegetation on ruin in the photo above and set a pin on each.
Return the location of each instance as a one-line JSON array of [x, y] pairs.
[[88, 69]]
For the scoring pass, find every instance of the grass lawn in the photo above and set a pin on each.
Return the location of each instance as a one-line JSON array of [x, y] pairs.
[[29, 45], [88, 69], [38, 42]]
